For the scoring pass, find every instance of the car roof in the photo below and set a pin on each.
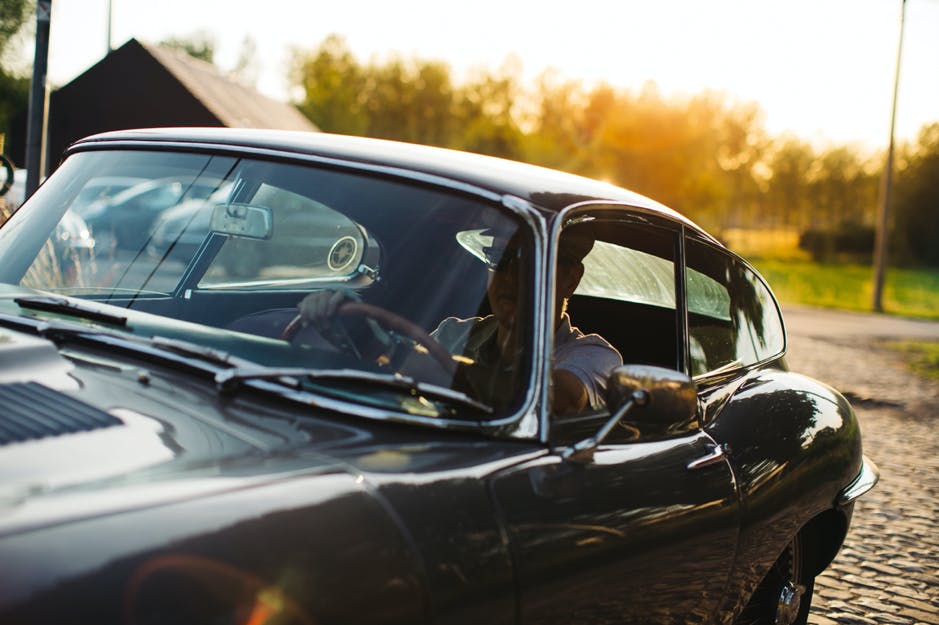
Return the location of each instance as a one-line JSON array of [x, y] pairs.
[[549, 189]]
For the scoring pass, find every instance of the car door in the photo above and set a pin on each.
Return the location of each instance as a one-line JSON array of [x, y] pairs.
[[644, 531]]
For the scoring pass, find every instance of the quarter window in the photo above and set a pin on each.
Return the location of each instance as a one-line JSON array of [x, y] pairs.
[[733, 319], [627, 293]]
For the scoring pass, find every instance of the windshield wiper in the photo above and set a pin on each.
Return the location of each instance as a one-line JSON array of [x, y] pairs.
[[158, 348], [237, 371], [185, 348], [230, 380], [51, 329], [70, 307]]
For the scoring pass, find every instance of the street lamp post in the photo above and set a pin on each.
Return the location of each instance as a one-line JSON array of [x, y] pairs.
[[36, 124], [886, 186]]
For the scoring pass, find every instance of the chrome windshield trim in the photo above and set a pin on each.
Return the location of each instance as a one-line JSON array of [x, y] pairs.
[[865, 480]]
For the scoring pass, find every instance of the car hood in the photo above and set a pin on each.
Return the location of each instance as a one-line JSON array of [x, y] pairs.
[[83, 433], [87, 433]]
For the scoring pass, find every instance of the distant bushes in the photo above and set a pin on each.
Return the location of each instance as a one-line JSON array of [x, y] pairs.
[[851, 240]]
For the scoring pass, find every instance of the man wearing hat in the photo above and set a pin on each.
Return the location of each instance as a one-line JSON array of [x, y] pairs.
[[580, 362], [489, 347]]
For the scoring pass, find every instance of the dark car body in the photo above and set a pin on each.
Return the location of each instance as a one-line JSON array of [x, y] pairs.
[[167, 457]]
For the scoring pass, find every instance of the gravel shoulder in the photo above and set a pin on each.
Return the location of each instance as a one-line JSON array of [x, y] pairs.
[[887, 572]]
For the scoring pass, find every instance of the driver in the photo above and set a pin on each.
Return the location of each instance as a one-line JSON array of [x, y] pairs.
[[580, 363]]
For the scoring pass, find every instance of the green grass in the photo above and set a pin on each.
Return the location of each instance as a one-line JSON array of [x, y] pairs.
[[796, 279], [907, 292], [921, 356]]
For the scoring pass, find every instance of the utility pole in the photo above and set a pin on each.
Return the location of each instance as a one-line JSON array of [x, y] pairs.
[[110, 45], [881, 237], [38, 104]]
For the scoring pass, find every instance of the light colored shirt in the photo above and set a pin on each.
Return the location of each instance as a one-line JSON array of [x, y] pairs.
[[588, 356]]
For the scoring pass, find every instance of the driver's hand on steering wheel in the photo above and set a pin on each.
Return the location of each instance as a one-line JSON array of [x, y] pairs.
[[319, 307]]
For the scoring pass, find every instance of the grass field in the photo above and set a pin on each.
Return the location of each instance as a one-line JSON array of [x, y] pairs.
[[795, 279], [922, 357], [907, 292]]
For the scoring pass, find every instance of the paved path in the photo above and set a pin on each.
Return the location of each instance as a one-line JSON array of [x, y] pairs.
[[888, 571]]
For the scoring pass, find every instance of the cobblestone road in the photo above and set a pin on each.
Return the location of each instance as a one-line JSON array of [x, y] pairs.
[[888, 571]]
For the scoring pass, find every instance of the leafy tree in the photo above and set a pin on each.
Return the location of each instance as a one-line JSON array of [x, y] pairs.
[[405, 99], [553, 137], [14, 97], [333, 85], [697, 155], [410, 101], [484, 116], [705, 155], [917, 220], [788, 161], [837, 188], [13, 14], [246, 67], [199, 45], [14, 88]]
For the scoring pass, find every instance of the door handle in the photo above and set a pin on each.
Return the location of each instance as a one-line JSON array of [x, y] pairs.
[[714, 456]]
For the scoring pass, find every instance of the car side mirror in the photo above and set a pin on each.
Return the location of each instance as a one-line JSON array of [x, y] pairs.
[[672, 396], [652, 400]]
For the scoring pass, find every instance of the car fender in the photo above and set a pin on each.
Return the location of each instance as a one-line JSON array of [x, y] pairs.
[[300, 546], [793, 444]]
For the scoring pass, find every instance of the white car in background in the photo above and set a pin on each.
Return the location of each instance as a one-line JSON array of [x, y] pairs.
[[17, 192], [72, 234]]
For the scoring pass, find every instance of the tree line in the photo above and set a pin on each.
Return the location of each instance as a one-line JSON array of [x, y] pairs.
[[706, 155], [14, 85]]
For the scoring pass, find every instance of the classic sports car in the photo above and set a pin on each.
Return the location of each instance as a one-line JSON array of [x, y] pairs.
[[179, 445]]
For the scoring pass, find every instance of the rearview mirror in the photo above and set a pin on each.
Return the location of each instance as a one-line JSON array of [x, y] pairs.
[[242, 220]]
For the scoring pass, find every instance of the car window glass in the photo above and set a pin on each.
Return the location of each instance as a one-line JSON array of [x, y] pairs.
[[307, 241], [733, 319], [102, 242], [627, 293], [622, 273], [235, 245]]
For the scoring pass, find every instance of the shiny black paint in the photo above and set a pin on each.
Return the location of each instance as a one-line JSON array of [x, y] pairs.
[[435, 526], [244, 505], [322, 512], [634, 535], [793, 444]]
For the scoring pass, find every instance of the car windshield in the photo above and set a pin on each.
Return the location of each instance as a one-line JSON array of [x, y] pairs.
[[221, 251]]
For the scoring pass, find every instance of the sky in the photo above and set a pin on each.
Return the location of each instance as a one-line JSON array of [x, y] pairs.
[[822, 70]]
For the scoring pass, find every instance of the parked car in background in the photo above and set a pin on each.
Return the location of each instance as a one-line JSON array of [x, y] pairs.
[[123, 219], [72, 240], [179, 445], [183, 228], [305, 235], [15, 194]]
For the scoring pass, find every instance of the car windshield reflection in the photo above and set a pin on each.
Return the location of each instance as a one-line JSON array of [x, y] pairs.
[[238, 246]]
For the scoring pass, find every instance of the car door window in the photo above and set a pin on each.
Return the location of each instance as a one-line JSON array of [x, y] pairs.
[[733, 319], [627, 293]]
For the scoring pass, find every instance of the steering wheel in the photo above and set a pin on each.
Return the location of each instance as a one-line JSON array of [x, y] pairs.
[[387, 320]]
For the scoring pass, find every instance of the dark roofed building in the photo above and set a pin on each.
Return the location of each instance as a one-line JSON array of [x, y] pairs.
[[140, 85]]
